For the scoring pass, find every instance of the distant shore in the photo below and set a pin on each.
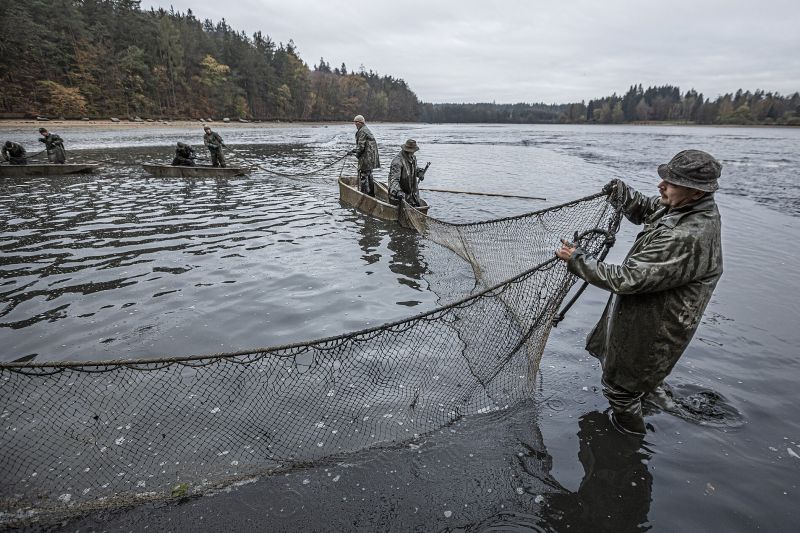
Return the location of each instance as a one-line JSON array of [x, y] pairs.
[[125, 123], [35, 124]]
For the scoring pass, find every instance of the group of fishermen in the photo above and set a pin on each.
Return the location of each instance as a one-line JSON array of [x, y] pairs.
[[15, 154], [185, 154], [659, 292], [404, 173]]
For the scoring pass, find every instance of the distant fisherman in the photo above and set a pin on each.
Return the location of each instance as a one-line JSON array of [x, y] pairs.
[[659, 293], [366, 151], [404, 173], [54, 146], [14, 153], [184, 156], [213, 141]]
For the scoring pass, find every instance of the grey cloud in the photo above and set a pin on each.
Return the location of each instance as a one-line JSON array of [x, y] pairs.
[[512, 51]]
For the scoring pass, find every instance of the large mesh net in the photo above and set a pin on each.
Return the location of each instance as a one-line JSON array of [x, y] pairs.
[[76, 435]]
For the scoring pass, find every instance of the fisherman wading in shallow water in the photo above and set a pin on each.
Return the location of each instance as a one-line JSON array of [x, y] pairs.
[[366, 151], [659, 293]]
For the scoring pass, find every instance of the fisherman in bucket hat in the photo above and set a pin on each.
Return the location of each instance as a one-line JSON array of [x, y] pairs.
[[659, 292], [404, 175]]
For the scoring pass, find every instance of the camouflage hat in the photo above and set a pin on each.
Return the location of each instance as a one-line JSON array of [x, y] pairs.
[[694, 169], [410, 146], [206, 127], [42, 130], [359, 118]]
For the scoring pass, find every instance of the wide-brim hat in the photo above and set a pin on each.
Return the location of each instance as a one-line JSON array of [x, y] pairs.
[[410, 146], [694, 169]]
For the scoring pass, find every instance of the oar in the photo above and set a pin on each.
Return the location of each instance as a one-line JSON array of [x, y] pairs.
[[486, 194]]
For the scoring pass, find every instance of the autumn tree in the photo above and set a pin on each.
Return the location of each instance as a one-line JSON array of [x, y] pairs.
[[57, 100]]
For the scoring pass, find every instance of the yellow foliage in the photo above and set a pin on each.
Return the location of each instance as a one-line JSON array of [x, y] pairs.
[[61, 101], [214, 72]]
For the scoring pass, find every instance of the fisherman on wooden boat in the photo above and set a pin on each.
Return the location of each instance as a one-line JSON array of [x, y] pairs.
[[54, 145], [184, 156], [366, 151], [14, 153], [404, 175], [214, 143], [659, 293]]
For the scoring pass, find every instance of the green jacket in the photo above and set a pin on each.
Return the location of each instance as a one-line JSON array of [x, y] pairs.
[[55, 148], [52, 141], [213, 141], [404, 175], [366, 149], [659, 292], [15, 152]]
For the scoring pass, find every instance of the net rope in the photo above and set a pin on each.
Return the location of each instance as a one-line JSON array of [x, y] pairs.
[[78, 435]]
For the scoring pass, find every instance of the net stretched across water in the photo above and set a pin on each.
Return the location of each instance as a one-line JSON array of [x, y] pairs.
[[77, 435]]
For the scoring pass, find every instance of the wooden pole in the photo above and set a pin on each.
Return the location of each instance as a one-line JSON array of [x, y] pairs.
[[485, 194]]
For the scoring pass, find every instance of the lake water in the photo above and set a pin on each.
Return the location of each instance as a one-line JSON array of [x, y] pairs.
[[122, 265]]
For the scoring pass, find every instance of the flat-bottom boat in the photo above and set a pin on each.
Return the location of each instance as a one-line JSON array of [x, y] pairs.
[[46, 169], [377, 206], [200, 171]]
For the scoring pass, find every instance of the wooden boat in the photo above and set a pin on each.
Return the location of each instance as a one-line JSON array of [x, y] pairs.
[[200, 171], [46, 169], [377, 206]]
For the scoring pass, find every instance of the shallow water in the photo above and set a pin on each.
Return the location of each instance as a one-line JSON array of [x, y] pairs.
[[118, 264]]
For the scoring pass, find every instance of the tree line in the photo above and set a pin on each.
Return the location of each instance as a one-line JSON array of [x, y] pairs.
[[666, 103], [638, 105], [100, 58]]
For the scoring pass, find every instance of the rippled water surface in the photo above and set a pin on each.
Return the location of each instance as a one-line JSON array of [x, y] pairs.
[[122, 265]]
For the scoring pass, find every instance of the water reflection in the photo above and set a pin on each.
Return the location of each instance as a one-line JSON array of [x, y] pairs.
[[407, 261], [405, 258], [87, 262], [616, 489], [372, 231]]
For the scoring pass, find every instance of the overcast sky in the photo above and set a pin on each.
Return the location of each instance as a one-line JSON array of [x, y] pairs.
[[535, 51]]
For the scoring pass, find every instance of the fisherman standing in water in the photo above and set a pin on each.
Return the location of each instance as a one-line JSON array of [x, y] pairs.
[[54, 146], [659, 293]]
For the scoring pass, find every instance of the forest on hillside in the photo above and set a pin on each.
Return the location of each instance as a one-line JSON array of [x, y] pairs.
[[103, 58], [77, 58]]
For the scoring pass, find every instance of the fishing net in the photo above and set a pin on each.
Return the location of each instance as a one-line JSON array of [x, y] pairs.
[[76, 435]]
